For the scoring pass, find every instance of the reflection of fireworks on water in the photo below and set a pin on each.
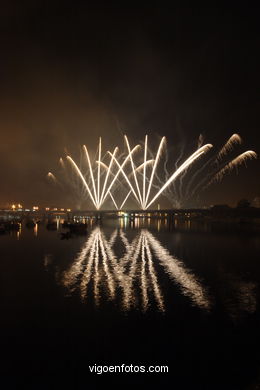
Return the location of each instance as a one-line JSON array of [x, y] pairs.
[[97, 271], [99, 180]]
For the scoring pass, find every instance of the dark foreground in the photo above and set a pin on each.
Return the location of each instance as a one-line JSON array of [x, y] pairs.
[[186, 298]]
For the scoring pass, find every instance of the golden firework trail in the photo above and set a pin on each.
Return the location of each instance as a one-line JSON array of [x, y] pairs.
[[51, 176], [143, 178], [184, 166], [233, 140], [143, 199], [239, 160], [96, 191]]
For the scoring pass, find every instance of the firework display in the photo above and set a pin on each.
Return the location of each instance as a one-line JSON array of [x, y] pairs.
[[145, 176]]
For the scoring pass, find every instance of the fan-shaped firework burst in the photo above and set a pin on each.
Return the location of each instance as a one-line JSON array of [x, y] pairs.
[[192, 183], [239, 160], [99, 179]]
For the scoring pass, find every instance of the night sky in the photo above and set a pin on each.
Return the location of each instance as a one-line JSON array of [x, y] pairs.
[[70, 73]]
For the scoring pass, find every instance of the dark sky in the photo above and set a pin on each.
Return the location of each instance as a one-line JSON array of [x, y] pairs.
[[70, 72]]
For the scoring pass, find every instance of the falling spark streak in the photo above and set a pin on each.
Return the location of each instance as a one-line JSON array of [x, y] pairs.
[[61, 162], [234, 139], [96, 199], [239, 160], [126, 178], [184, 166], [91, 172], [122, 205], [98, 183], [107, 175], [148, 162], [51, 176], [176, 167], [102, 164], [113, 199], [133, 168], [65, 172], [197, 173], [120, 169], [154, 168], [136, 169], [83, 179], [200, 141], [140, 167], [144, 170], [143, 199]]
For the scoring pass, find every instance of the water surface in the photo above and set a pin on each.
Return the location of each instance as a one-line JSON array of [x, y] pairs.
[[129, 293]]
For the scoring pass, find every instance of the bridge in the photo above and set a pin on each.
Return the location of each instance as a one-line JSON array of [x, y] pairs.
[[224, 213]]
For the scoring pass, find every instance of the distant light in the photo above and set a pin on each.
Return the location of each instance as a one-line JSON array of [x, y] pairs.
[[13, 206], [35, 208], [47, 208], [61, 209], [55, 209], [68, 210]]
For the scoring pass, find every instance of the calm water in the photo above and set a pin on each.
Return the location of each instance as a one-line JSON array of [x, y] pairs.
[[186, 297]]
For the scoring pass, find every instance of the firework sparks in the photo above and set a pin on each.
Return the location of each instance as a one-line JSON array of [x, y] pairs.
[[154, 168], [83, 180], [51, 176], [144, 171], [143, 199], [233, 140], [113, 200], [120, 169], [143, 178], [127, 196], [91, 173], [133, 169], [107, 176], [184, 166], [239, 160], [96, 194], [201, 177]]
